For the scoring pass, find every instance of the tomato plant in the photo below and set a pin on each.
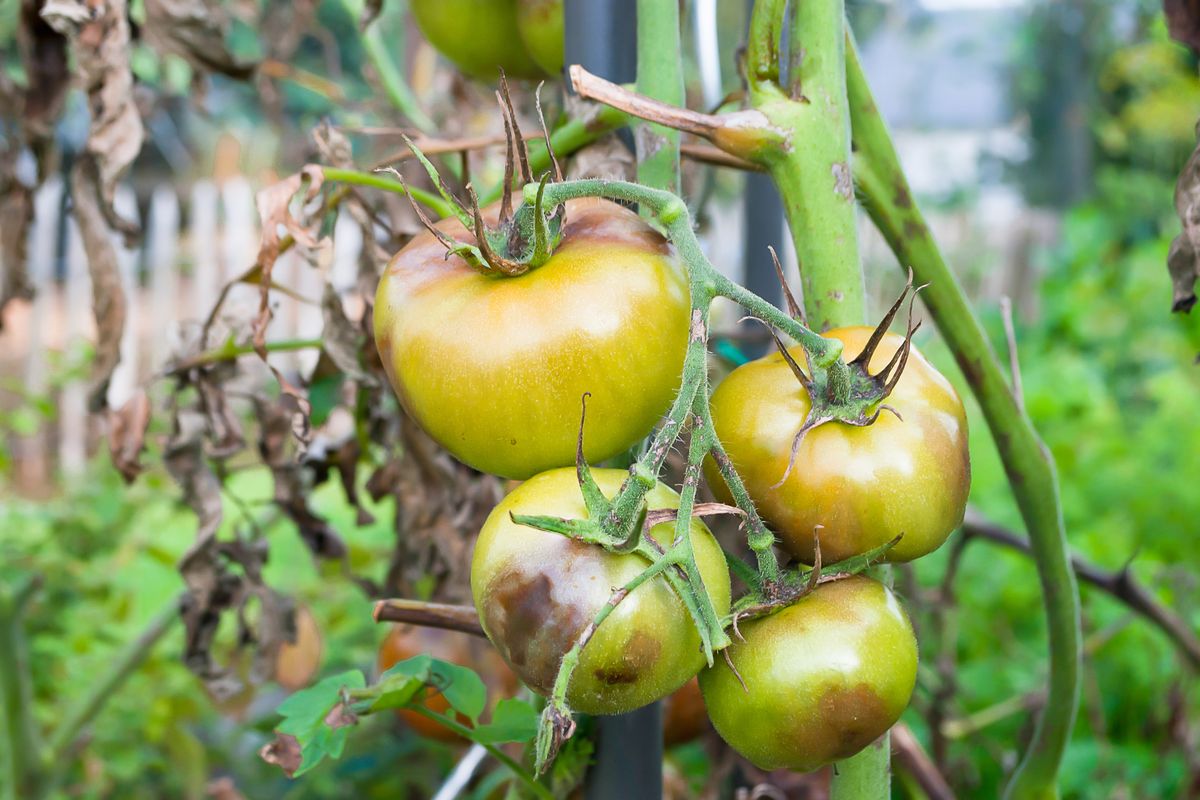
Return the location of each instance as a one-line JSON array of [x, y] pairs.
[[406, 641], [493, 366], [907, 474], [823, 677], [536, 592], [479, 36]]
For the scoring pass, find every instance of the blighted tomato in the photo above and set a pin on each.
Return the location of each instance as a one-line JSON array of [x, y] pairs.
[[479, 36], [406, 641], [494, 367], [824, 677], [535, 593], [866, 485], [540, 23]]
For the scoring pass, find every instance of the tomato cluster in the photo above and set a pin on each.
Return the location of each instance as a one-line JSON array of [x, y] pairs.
[[522, 37], [494, 367]]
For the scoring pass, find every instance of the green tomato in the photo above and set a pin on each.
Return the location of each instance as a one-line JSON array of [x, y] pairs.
[[494, 367], [479, 36], [541, 25], [824, 677], [535, 593], [905, 475]]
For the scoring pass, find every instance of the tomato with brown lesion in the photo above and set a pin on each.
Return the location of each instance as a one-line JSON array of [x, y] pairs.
[[536, 592], [824, 677], [907, 474]]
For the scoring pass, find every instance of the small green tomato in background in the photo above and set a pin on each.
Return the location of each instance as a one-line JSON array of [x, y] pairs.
[[479, 36], [824, 677], [908, 475], [536, 591], [541, 25], [494, 367]]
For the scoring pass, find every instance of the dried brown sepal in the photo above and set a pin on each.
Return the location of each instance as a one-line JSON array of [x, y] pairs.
[[794, 309], [521, 146], [537, 102], [506, 265]]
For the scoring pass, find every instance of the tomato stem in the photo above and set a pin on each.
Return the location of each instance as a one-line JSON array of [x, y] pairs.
[[1029, 465]]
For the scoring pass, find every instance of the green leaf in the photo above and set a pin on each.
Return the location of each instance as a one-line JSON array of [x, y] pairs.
[[513, 721], [462, 688], [315, 701]]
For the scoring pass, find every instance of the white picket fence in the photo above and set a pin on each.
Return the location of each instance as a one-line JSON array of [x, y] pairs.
[[173, 276]]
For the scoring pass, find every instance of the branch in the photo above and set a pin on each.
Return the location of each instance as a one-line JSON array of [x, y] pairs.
[[888, 200], [909, 756], [102, 690], [429, 615], [1120, 585]]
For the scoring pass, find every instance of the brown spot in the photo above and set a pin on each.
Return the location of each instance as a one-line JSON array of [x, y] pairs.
[[640, 655], [512, 441], [902, 198], [849, 719], [529, 628], [914, 229]]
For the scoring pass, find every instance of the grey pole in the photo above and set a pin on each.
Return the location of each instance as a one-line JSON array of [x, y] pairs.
[[602, 36]]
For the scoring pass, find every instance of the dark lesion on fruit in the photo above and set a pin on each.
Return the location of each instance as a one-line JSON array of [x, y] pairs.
[[531, 629], [853, 717], [641, 653]]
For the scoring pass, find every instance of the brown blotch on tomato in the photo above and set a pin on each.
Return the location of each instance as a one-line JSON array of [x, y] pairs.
[[824, 677], [535, 592]]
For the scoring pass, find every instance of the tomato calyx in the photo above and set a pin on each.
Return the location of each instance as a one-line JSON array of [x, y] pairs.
[[524, 238], [847, 392], [796, 584]]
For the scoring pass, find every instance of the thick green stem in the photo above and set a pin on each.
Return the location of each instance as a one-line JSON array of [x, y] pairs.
[[16, 697], [660, 76], [813, 170], [814, 180], [102, 689], [1029, 465]]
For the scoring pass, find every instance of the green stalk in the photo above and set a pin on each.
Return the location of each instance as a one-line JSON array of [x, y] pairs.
[[394, 85], [16, 696], [376, 181], [660, 76], [1029, 465], [814, 180], [125, 664], [813, 171]]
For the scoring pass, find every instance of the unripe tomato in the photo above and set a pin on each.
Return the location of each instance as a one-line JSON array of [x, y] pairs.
[[494, 367], [479, 36], [824, 677], [541, 25], [867, 485], [406, 641], [535, 593]]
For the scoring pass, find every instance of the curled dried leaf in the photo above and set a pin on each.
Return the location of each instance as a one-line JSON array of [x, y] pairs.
[[195, 30], [127, 435]]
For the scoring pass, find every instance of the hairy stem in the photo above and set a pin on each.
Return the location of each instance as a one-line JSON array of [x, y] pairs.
[[1029, 465]]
